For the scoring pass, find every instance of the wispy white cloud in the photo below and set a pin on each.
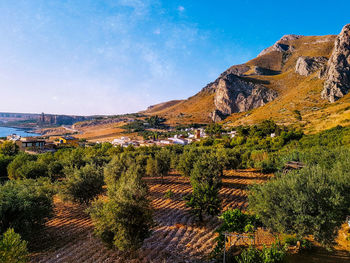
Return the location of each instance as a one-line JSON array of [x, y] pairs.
[[181, 8]]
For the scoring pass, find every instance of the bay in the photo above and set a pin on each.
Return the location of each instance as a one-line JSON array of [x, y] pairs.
[[4, 131]]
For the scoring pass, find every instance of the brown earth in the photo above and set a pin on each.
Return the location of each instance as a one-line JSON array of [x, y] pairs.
[[68, 236]]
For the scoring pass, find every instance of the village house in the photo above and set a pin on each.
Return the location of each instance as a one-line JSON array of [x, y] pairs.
[[27, 143], [68, 140]]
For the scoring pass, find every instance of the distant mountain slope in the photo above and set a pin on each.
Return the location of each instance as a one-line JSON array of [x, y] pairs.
[[284, 82]]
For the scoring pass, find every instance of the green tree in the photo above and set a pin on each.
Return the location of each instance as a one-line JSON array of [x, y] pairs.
[[206, 183], [125, 219], [12, 248], [8, 148], [312, 201], [214, 129], [25, 205], [83, 185], [187, 160], [5, 160], [20, 160], [32, 170]]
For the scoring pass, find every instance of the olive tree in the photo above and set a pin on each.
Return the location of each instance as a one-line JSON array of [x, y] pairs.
[[125, 219], [206, 183]]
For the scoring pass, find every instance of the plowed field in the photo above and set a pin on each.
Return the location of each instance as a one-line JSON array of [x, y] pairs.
[[68, 236]]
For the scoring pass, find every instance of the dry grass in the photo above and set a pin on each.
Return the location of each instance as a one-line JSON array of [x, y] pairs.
[[295, 93]]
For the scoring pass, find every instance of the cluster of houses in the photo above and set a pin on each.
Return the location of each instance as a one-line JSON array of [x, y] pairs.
[[37, 144], [177, 139]]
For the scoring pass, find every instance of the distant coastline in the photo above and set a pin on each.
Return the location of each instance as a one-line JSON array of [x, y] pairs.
[[24, 132]]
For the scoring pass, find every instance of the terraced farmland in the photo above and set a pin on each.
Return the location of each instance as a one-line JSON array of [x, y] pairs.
[[176, 238]]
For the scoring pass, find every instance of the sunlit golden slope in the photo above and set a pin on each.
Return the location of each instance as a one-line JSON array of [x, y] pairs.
[[296, 93]]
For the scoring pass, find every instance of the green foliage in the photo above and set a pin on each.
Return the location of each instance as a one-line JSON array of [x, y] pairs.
[[206, 183], [214, 129], [114, 169], [187, 160], [83, 185], [169, 194], [12, 248], [8, 148], [25, 205], [125, 219], [5, 160], [274, 254], [20, 160], [311, 201], [160, 164], [234, 221], [249, 255]]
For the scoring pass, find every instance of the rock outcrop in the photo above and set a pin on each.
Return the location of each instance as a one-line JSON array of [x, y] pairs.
[[337, 73], [308, 65], [235, 94], [281, 45]]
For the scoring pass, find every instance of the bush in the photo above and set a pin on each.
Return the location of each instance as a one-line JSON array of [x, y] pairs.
[[274, 254], [160, 164], [8, 148], [83, 185], [311, 201], [125, 219], [32, 170], [20, 160], [169, 194], [25, 205], [206, 183], [12, 248], [234, 221], [4, 162]]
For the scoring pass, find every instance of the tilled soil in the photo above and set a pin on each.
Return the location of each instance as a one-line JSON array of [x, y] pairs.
[[178, 237]]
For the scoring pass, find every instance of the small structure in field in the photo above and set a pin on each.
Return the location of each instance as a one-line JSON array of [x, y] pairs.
[[27, 143], [68, 140]]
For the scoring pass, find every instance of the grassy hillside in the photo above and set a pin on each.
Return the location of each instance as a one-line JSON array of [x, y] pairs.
[[296, 93]]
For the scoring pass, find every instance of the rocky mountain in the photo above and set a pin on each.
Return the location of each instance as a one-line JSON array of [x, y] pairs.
[[337, 73], [308, 65], [304, 74], [236, 94]]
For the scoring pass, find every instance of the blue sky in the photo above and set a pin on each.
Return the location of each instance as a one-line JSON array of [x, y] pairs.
[[118, 56]]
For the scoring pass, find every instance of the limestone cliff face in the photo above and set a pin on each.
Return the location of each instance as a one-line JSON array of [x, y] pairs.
[[308, 65], [235, 94], [337, 73], [281, 45]]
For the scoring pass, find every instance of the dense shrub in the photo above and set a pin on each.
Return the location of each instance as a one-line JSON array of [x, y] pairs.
[[5, 160], [12, 248], [20, 160], [25, 205], [8, 148], [206, 183], [234, 221], [83, 185], [160, 164], [125, 219], [313, 201]]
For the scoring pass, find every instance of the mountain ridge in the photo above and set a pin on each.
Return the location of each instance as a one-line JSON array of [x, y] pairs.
[[275, 69]]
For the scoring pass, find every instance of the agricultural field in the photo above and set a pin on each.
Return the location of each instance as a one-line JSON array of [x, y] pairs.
[[68, 237]]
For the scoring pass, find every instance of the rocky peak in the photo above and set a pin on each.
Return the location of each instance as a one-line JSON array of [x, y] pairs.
[[281, 45], [236, 94], [337, 73], [308, 65]]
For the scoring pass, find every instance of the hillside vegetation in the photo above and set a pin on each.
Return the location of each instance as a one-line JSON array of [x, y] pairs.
[[298, 103]]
